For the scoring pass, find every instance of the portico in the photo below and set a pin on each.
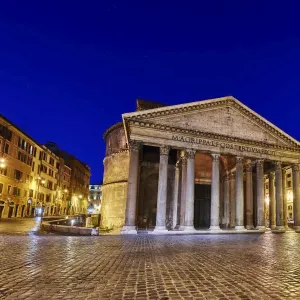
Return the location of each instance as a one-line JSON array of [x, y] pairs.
[[203, 166]]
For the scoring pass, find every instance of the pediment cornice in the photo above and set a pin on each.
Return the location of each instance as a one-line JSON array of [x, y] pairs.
[[208, 135], [145, 117]]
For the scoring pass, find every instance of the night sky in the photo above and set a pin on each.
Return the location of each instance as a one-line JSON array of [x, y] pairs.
[[69, 69]]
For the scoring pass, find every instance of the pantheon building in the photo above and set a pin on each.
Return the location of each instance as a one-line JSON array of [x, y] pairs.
[[212, 166]]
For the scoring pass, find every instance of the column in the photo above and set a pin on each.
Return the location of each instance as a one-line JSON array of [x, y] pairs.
[[272, 207], [183, 190], [176, 190], [278, 196], [284, 199], [296, 197], [226, 200], [249, 196], [239, 195], [190, 191], [162, 190], [260, 194], [130, 213], [232, 199], [215, 193]]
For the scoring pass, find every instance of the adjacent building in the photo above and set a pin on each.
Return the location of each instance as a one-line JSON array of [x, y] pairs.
[[33, 179], [213, 164], [95, 198], [78, 191]]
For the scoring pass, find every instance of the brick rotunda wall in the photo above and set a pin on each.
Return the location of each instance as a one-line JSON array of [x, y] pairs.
[[114, 190]]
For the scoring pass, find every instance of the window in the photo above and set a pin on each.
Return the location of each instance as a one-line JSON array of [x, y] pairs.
[[1, 188], [50, 185], [34, 152], [48, 198], [9, 189], [289, 175], [44, 169], [27, 177], [290, 207], [16, 191], [18, 174], [3, 171], [33, 165], [29, 161], [6, 148], [289, 184], [291, 216], [30, 193], [50, 172], [25, 193], [5, 132], [51, 161], [31, 149]]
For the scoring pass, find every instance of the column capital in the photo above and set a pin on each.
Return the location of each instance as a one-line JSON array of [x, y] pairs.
[[271, 175], [295, 167], [164, 150], [259, 163], [278, 165], [134, 146], [183, 160], [249, 166], [232, 176], [190, 154], [239, 160], [215, 156], [178, 164]]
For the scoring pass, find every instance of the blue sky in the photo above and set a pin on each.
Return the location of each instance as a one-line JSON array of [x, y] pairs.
[[69, 69]]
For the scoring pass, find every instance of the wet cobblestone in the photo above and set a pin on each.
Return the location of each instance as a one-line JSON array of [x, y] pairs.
[[251, 266]]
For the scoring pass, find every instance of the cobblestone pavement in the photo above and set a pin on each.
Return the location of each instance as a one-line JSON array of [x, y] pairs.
[[19, 225], [250, 266]]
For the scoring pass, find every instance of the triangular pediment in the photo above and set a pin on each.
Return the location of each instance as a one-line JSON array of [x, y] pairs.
[[222, 116]]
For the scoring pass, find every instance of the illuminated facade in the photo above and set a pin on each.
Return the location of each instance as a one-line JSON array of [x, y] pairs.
[[33, 179], [95, 198], [212, 165]]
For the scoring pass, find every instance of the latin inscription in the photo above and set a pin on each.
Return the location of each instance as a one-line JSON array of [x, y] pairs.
[[199, 141]]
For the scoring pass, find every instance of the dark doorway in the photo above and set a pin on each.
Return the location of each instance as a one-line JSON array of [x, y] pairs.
[[10, 211], [1, 210], [202, 205], [22, 212]]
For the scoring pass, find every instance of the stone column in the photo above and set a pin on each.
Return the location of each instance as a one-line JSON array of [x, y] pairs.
[[232, 199], [284, 199], [190, 191], [176, 190], [183, 191], [296, 197], [215, 193], [279, 199], [272, 207], [239, 195], [226, 191], [249, 196], [260, 194], [130, 213], [162, 190]]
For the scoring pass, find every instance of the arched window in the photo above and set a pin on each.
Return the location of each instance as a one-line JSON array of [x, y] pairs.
[[290, 207]]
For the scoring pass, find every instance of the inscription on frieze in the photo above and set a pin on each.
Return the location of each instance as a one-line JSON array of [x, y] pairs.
[[222, 145]]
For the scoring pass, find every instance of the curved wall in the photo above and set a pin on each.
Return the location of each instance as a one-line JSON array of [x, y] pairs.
[[115, 180]]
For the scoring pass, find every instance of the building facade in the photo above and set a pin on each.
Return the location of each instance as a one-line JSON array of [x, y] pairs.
[[77, 192], [33, 179], [95, 198], [213, 164]]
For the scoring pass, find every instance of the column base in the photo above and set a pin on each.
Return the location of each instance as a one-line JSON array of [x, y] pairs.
[[279, 229], [128, 230], [250, 227], [297, 229], [189, 229], [261, 227], [273, 227], [215, 228], [240, 228], [159, 230]]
